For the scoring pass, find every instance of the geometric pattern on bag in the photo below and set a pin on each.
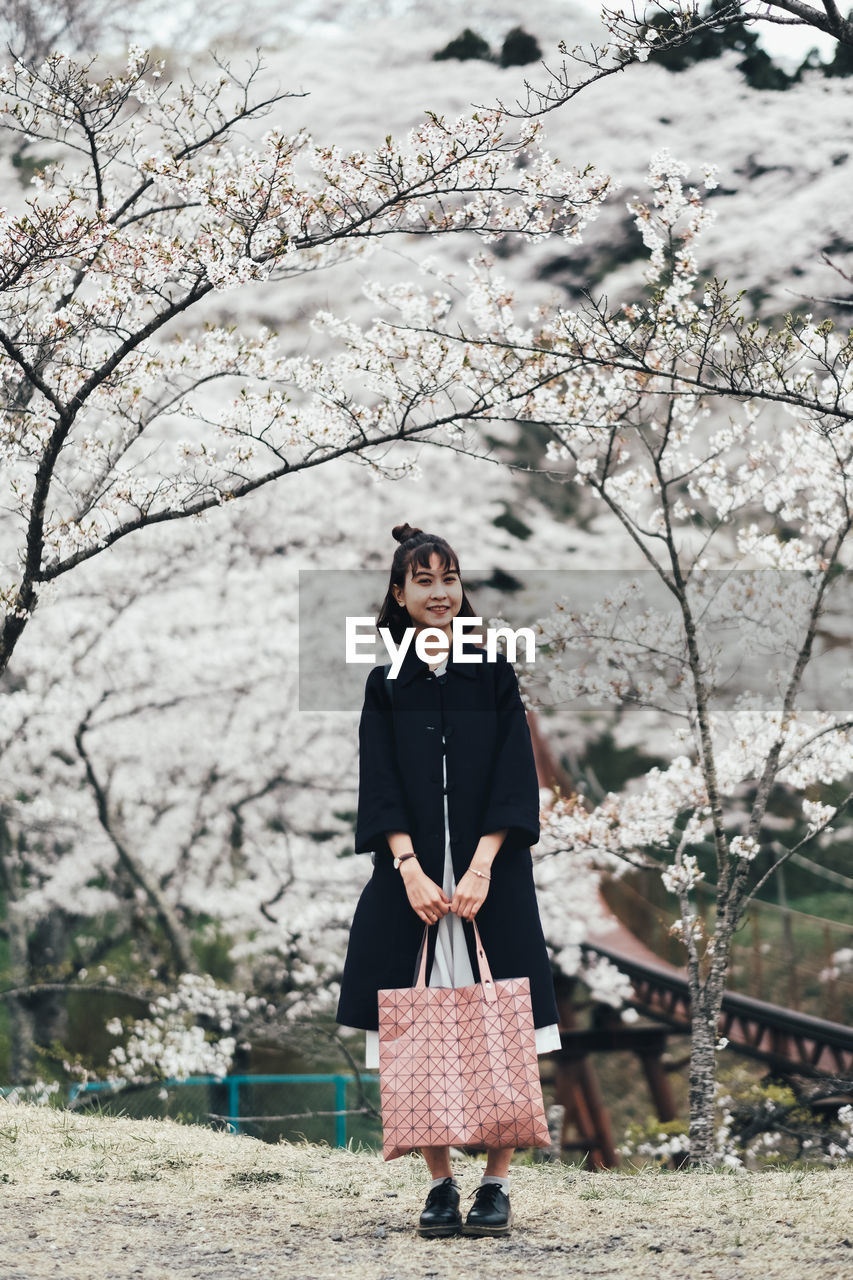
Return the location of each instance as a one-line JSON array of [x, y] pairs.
[[458, 1065]]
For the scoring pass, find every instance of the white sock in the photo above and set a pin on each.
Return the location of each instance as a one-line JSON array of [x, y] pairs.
[[436, 1182], [503, 1183]]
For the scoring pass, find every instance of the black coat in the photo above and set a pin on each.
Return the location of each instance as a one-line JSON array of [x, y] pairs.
[[491, 784]]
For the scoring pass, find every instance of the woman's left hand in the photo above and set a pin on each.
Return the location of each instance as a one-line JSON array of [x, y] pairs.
[[470, 895]]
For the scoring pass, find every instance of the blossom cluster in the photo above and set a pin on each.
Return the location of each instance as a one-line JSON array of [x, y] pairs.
[[172, 1043], [662, 1142]]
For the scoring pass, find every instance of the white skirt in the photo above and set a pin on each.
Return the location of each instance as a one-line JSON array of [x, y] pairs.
[[451, 965]]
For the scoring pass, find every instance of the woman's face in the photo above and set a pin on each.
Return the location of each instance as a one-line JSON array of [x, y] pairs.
[[432, 596]]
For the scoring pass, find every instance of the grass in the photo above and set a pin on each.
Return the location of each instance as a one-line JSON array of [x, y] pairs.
[[100, 1197]]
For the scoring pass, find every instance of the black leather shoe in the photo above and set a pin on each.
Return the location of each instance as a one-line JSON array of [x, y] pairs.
[[441, 1216], [490, 1214]]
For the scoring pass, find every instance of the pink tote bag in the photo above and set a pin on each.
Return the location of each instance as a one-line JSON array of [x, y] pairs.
[[458, 1065]]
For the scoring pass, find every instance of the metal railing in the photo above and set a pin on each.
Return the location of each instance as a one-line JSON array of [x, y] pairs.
[[771, 1033], [236, 1118]]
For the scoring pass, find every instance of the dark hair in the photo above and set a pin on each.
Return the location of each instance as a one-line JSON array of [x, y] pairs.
[[416, 548]]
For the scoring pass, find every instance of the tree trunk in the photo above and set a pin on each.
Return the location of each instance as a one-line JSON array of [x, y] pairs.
[[14, 624], [177, 937], [703, 1073], [21, 1029], [48, 945], [22, 1043]]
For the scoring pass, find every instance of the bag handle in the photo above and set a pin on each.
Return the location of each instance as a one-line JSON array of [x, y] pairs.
[[485, 972]]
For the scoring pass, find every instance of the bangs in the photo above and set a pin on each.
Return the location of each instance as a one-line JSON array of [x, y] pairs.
[[422, 555]]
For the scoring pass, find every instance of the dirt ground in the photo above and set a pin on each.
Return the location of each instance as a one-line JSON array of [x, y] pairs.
[[90, 1198]]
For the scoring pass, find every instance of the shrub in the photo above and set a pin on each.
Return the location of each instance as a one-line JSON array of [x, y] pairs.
[[760, 1123], [841, 64], [519, 48], [759, 69], [465, 47]]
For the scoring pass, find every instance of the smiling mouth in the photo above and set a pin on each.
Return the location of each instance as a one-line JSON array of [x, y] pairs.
[[439, 608]]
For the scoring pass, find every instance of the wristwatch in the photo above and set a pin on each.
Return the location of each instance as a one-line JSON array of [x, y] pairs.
[[402, 858]]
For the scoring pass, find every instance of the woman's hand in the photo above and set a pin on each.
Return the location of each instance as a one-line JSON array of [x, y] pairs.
[[471, 892], [428, 899]]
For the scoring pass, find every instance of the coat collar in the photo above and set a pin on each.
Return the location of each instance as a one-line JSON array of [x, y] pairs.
[[413, 668]]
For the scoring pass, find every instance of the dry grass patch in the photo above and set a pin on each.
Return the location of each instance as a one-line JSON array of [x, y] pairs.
[[98, 1198]]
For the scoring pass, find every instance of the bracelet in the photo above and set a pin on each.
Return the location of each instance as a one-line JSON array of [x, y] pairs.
[[402, 858], [481, 874]]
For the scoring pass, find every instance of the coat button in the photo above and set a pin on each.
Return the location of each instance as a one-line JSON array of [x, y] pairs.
[[448, 731], [429, 726]]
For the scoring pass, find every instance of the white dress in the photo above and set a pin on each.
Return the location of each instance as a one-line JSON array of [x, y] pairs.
[[451, 965]]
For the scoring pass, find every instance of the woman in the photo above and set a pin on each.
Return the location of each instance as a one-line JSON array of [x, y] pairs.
[[448, 804]]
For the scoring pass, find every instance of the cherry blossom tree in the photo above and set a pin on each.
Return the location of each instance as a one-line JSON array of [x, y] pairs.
[[115, 420], [721, 449], [636, 32], [166, 803], [33, 29]]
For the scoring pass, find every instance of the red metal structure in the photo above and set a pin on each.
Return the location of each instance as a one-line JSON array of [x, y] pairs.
[[781, 1037]]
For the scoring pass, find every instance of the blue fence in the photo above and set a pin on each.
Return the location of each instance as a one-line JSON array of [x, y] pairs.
[[223, 1100]]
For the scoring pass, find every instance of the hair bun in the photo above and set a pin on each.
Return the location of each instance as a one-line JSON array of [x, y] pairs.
[[402, 532]]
